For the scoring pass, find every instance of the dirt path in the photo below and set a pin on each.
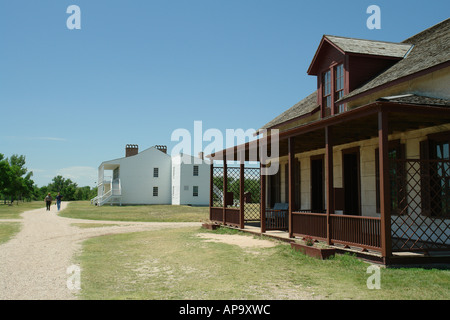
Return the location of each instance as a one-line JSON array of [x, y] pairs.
[[33, 265]]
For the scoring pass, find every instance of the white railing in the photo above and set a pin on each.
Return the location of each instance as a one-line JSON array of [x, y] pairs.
[[113, 195]]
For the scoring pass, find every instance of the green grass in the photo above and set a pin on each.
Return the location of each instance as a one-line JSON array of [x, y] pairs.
[[8, 230], [146, 213], [177, 264], [14, 211]]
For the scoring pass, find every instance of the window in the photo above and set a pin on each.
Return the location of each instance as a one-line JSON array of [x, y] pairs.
[[339, 86], [326, 93], [396, 177], [195, 191], [155, 191], [435, 175], [155, 172], [195, 171]]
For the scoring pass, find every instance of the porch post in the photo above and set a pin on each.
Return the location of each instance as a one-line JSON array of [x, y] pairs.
[[329, 179], [211, 186], [385, 208], [225, 187], [263, 200], [241, 196], [291, 183]]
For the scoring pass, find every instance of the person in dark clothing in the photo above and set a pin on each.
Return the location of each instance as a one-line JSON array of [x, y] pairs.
[[48, 201], [58, 200]]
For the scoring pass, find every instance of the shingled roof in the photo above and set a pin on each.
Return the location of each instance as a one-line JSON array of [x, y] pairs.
[[304, 107], [417, 100], [431, 48], [370, 47], [425, 50]]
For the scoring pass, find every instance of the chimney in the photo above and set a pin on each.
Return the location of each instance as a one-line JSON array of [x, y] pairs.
[[131, 150], [161, 148], [200, 155]]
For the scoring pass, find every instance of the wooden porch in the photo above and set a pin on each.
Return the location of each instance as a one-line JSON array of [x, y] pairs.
[[389, 238]]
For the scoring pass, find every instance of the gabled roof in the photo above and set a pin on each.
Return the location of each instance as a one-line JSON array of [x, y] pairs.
[[388, 50], [427, 49], [370, 47], [431, 49], [416, 99], [305, 107]]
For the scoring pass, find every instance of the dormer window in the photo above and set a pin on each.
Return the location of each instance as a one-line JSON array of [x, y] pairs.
[[326, 95], [339, 87]]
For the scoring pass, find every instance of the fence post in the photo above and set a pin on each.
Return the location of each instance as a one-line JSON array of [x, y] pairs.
[[225, 185], [263, 200], [329, 179], [241, 196], [385, 207]]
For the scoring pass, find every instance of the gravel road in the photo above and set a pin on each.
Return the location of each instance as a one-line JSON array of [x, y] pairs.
[[34, 264]]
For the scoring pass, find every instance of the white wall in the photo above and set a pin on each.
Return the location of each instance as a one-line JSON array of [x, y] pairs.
[[136, 176], [183, 181]]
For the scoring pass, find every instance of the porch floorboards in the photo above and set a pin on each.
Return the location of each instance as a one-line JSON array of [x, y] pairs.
[[369, 256]]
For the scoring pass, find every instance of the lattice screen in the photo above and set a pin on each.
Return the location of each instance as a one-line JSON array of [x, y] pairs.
[[420, 197]]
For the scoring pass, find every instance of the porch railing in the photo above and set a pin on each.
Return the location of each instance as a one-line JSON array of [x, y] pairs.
[[364, 232], [232, 216]]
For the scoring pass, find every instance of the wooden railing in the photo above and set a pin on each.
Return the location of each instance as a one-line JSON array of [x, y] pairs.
[[364, 232], [309, 224], [232, 215]]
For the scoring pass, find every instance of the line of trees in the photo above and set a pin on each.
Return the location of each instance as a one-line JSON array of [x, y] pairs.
[[16, 183]]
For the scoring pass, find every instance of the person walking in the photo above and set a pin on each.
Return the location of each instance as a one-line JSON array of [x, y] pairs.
[[58, 201], [48, 201]]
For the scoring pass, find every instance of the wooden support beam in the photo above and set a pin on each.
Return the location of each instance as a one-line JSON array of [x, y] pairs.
[[385, 208], [329, 179], [291, 185], [211, 188], [225, 188], [263, 200], [241, 195]]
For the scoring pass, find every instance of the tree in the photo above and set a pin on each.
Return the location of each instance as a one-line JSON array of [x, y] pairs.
[[16, 180], [66, 187]]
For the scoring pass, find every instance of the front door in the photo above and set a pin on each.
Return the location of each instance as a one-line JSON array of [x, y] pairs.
[[350, 161], [317, 184]]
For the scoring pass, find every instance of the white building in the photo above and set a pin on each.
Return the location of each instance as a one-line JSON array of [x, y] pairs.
[[153, 177]]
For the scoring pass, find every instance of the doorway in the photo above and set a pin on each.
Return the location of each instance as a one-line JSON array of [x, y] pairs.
[[317, 184], [351, 181]]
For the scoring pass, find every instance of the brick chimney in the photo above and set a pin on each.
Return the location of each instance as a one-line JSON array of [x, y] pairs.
[[131, 150]]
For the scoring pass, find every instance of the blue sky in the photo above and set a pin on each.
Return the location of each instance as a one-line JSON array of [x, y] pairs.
[[139, 69]]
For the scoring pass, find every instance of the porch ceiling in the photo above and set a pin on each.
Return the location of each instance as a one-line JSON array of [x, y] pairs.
[[354, 125]]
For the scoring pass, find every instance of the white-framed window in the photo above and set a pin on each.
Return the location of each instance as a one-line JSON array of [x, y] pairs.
[[155, 191], [195, 191], [195, 171], [155, 172]]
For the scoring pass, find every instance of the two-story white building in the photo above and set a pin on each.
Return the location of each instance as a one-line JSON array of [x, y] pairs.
[[153, 177]]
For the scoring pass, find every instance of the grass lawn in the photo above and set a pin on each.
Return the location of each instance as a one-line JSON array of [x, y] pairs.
[[148, 213], [9, 229], [177, 264], [14, 211]]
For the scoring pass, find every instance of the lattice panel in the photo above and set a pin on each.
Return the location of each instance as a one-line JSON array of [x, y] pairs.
[[218, 187], [233, 185], [252, 186], [421, 191]]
